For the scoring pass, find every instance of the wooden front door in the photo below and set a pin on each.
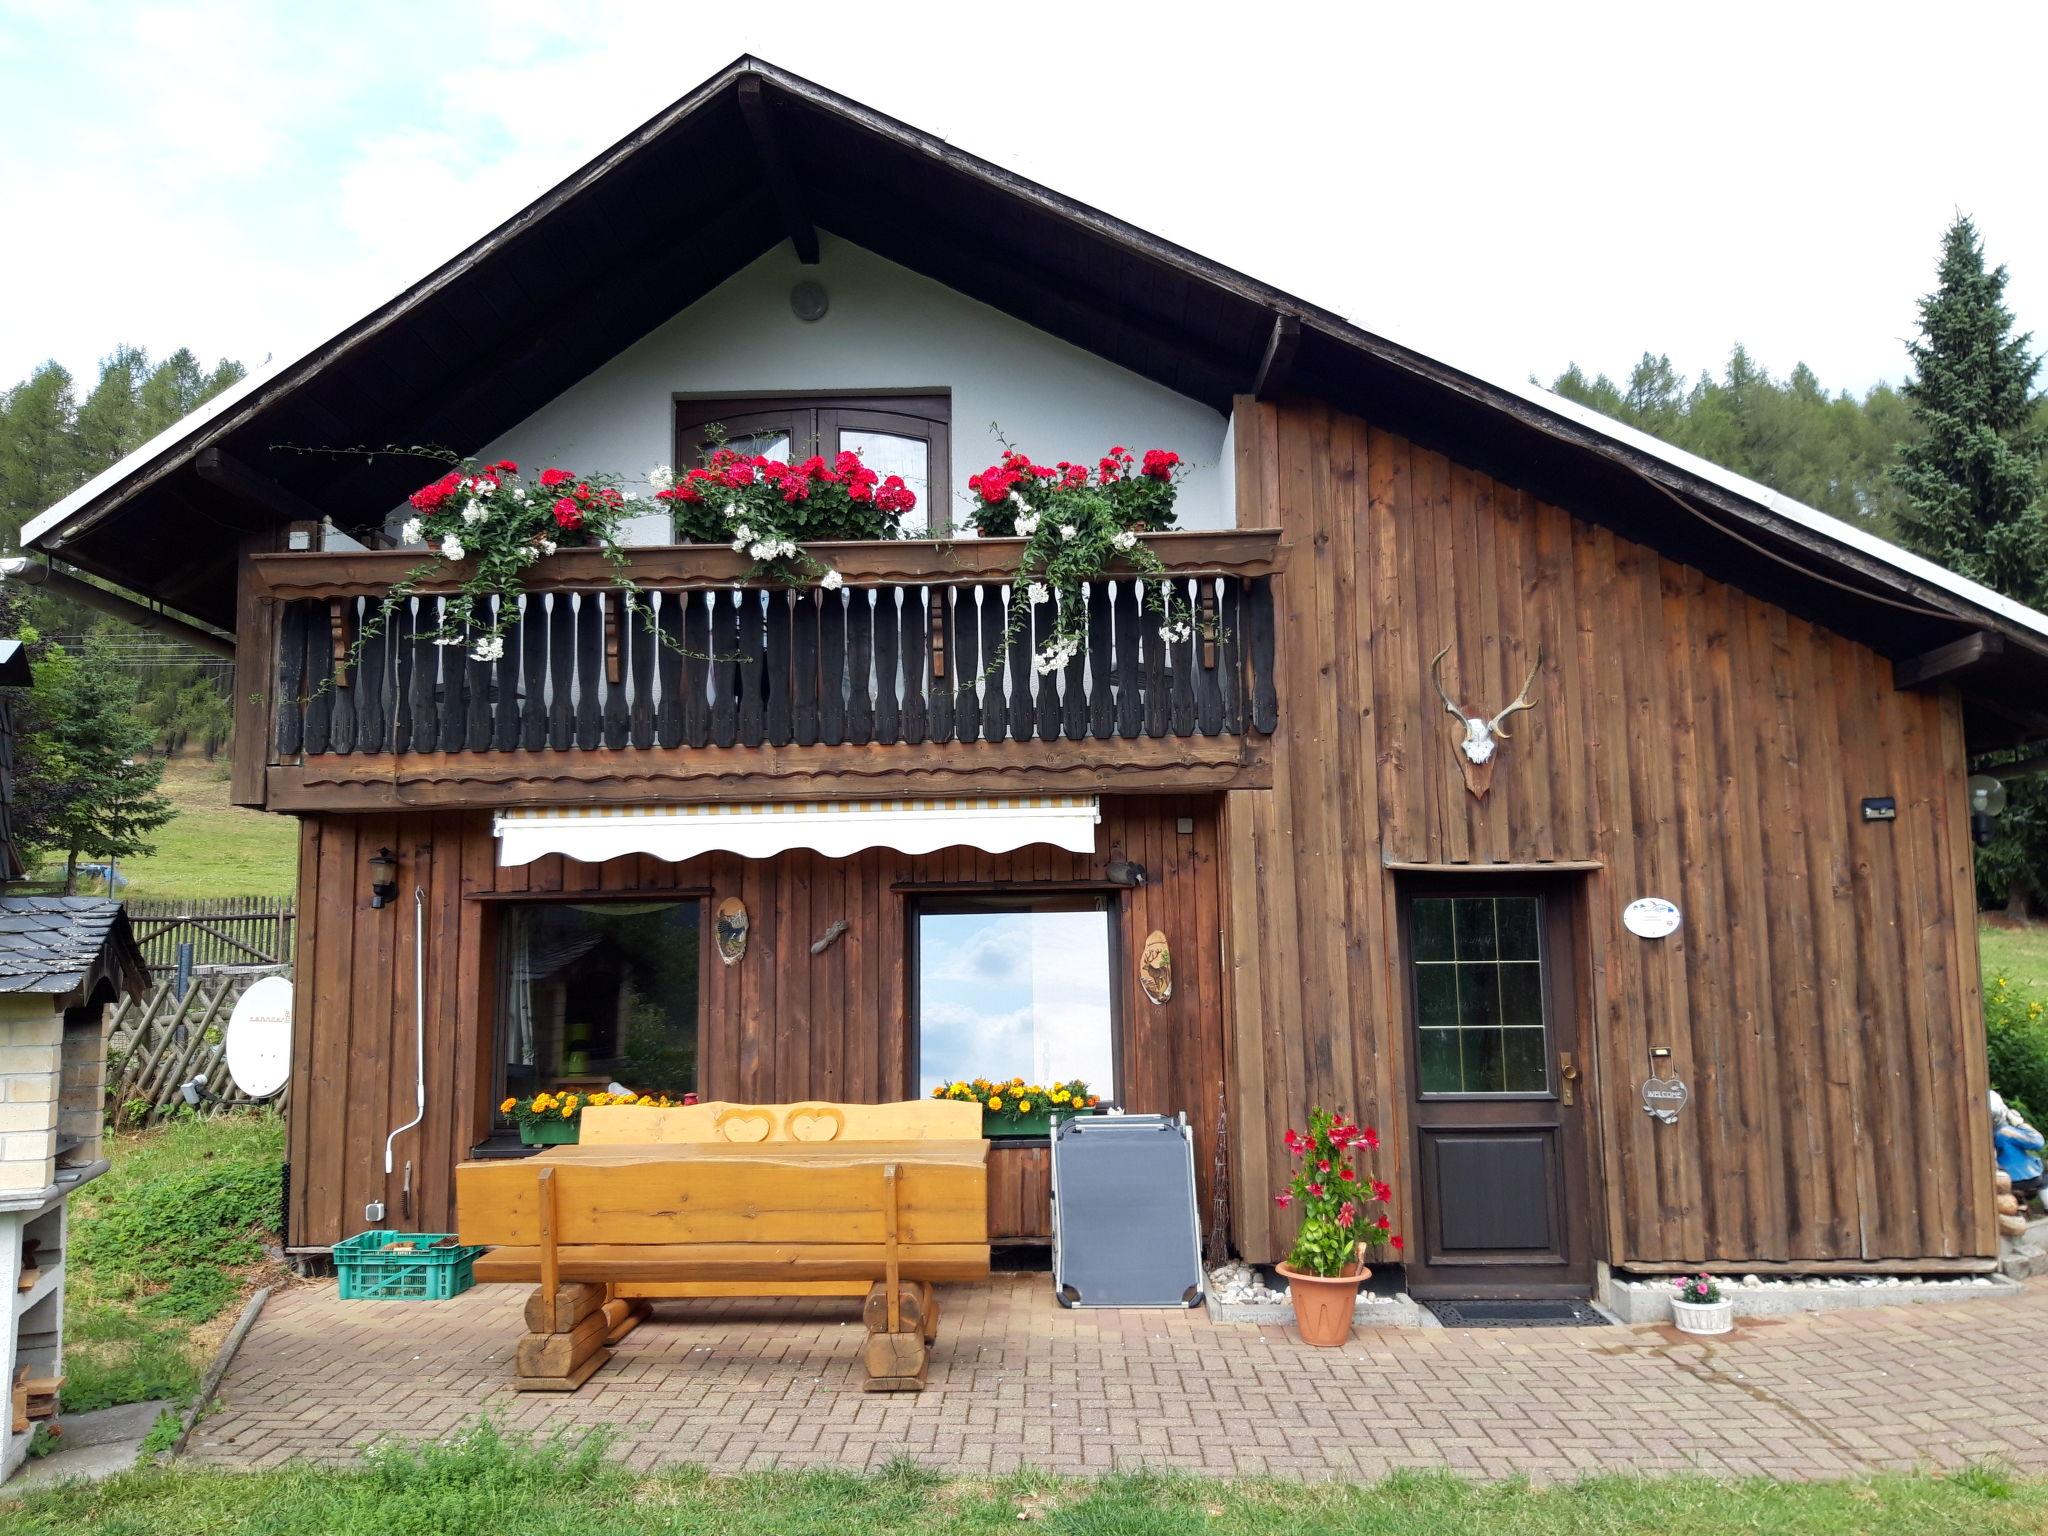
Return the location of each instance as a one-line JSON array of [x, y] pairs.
[[1498, 1085]]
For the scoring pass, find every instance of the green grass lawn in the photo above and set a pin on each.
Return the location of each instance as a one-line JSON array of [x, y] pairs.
[[211, 848], [2020, 954], [163, 1247], [485, 1485]]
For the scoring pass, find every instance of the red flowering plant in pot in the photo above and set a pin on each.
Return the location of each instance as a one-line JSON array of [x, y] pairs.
[[1080, 526], [1335, 1198], [769, 509], [493, 523]]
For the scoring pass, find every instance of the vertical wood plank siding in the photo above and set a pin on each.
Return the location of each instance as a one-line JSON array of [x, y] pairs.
[[1821, 997], [779, 1026]]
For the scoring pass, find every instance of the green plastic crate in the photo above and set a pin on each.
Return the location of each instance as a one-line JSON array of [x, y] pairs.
[[367, 1273]]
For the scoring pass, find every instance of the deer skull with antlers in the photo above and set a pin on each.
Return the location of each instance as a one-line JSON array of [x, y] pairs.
[[1481, 734]]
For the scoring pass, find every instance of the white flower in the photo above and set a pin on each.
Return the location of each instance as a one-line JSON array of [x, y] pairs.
[[483, 487], [1180, 631], [1055, 656], [451, 548], [1027, 525], [522, 495], [449, 640], [1125, 540], [1022, 504], [661, 477], [732, 510], [1067, 532], [529, 554], [472, 512], [786, 549], [410, 533], [831, 581], [743, 533], [762, 550], [738, 545], [490, 648], [548, 546], [1040, 592]]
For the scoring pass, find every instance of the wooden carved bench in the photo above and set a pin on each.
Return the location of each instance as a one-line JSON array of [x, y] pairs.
[[765, 1200]]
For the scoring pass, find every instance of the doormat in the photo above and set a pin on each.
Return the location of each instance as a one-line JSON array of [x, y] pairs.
[[1516, 1314]]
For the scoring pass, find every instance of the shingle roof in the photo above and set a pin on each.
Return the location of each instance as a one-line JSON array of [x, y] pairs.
[[53, 944]]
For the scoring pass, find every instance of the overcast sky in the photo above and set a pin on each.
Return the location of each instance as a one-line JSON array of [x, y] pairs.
[[1514, 189]]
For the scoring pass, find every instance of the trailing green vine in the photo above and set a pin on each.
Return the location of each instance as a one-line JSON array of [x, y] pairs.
[[1079, 528]]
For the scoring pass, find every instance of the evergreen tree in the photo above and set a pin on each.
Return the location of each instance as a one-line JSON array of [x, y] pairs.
[[109, 418], [1974, 499], [89, 744], [38, 451], [1972, 481]]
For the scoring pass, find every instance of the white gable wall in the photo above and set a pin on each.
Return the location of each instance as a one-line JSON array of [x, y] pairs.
[[888, 330]]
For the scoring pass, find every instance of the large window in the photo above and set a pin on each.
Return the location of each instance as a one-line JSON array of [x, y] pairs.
[[1009, 988], [1479, 994], [894, 435], [597, 993]]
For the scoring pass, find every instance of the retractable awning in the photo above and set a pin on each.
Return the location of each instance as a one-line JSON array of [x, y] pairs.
[[835, 827]]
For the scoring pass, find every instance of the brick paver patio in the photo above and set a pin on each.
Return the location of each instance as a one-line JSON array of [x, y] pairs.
[[1016, 1382]]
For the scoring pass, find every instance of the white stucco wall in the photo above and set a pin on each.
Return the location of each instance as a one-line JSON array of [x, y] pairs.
[[887, 330]]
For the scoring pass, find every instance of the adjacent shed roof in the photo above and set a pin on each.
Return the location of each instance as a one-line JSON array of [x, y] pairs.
[[755, 156], [64, 944]]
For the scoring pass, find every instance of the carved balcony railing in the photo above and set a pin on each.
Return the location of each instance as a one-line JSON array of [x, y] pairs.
[[915, 654]]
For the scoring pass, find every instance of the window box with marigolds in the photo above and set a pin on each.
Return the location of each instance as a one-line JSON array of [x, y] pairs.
[[1018, 1108], [551, 1118]]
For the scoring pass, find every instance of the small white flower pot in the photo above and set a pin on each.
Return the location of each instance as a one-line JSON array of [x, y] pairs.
[[1703, 1316]]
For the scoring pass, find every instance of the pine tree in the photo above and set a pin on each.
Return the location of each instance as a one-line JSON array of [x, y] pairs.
[[38, 454], [1973, 495], [1972, 481], [108, 420], [91, 746]]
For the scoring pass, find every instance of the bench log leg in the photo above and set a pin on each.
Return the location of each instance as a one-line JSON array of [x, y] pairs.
[[559, 1358], [897, 1361], [622, 1314]]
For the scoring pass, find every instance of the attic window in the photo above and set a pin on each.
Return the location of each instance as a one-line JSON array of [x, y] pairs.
[[894, 434]]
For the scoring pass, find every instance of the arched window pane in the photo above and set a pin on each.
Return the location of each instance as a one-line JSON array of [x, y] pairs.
[[888, 453]]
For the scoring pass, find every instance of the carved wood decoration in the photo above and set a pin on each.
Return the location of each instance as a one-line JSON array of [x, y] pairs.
[[1481, 734], [729, 929], [1155, 967]]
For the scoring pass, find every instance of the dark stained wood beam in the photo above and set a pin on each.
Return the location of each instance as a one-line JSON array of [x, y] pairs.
[[1279, 359], [223, 471], [777, 170], [1946, 663]]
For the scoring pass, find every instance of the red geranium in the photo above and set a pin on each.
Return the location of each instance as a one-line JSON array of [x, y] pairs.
[[1332, 1216], [550, 478], [1159, 464], [568, 514]]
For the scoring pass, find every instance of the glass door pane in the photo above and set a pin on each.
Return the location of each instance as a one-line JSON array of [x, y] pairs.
[[1479, 1015], [890, 453]]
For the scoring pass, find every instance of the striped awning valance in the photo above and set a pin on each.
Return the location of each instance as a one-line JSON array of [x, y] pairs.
[[834, 827]]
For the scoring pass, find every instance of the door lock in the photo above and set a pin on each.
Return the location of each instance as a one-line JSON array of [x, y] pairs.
[[1567, 1079]]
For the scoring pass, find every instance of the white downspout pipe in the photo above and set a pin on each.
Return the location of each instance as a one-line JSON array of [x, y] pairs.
[[419, 1007]]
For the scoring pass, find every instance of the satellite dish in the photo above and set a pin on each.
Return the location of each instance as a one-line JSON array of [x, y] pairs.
[[259, 1045]]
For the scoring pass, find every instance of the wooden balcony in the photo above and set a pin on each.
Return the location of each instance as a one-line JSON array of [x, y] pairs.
[[902, 683]]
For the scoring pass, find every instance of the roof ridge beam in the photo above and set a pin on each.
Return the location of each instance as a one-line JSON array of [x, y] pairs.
[[759, 117]]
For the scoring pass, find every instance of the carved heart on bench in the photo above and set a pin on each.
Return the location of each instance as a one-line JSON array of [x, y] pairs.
[[745, 1125], [814, 1122]]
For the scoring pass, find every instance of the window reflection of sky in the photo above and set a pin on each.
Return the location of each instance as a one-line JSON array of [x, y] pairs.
[[1015, 994]]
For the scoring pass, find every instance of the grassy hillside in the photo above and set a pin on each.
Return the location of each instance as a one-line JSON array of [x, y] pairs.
[[211, 848]]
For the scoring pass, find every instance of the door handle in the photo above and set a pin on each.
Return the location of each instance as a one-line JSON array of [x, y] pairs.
[[1567, 1079]]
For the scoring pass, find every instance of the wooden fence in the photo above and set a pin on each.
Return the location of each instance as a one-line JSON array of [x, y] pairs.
[[237, 931], [160, 1041]]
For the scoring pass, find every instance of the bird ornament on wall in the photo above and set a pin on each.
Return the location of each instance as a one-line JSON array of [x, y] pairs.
[[1481, 734]]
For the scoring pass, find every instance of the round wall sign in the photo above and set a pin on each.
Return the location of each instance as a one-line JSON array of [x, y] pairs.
[[259, 1043], [1650, 917]]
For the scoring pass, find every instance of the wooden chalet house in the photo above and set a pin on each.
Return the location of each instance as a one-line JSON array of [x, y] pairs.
[[945, 873]]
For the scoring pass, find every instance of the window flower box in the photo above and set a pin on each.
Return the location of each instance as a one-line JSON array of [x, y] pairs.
[[1018, 1108]]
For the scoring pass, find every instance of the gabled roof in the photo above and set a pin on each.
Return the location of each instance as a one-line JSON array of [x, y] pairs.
[[755, 156], [64, 944]]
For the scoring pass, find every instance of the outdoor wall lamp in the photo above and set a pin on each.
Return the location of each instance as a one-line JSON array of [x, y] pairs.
[[383, 878], [1987, 803]]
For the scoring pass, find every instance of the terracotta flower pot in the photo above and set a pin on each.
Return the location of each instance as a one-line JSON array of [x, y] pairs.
[[1323, 1303]]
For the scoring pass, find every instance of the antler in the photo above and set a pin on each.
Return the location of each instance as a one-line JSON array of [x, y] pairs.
[[1522, 699], [1436, 677]]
